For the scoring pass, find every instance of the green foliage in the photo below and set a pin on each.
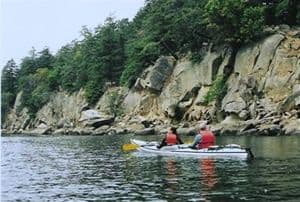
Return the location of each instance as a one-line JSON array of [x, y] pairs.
[[36, 79], [234, 21], [217, 90], [8, 87], [163, 27], [93, 91], [281, 8], [36, 90], [281, 12], [103, 57], [140, 54], [68, 70], [114, 104]]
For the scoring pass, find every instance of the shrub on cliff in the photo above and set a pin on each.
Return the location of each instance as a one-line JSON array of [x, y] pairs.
[[234, 21], [217, 91]]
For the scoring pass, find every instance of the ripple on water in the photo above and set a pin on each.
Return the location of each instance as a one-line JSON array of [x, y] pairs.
[[91, 168]]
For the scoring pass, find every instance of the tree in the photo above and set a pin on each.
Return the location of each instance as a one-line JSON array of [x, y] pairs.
[[234, 21], [103, 56], [28, 64], [45, 59], [115, 103], [280, 11], [35, 90], [8, 87]]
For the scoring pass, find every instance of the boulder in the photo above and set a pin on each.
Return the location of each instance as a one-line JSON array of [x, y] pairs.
[[89, 115], [157, 75], [100, 131], [289, 103], [133, 126], [244, 115], [42, 129], [233, 103], [249, 132], [269, 130], [64, 123], [146, 131], [96, 123], [60, 131], [291, 127], [248, 126], [275, 130], [232, 119], [82, 131], [230, 131]]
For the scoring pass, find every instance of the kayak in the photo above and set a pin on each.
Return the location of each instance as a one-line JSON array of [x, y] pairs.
[[216, 151]]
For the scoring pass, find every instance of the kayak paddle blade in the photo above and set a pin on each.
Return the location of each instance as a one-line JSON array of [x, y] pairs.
[[129, 147]]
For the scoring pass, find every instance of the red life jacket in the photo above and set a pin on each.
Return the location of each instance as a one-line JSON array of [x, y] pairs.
[[171, 139], [208, 139]]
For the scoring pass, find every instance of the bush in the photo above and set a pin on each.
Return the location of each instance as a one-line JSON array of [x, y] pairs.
[[234, 21], [115, 100], [217, 91]]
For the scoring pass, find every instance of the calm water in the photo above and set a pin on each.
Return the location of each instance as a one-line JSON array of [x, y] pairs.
[[95, 169]]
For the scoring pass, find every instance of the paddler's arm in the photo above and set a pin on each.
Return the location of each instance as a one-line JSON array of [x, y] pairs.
[[163, 143], [197, 140]]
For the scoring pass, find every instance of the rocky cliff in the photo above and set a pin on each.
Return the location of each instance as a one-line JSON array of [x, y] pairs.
[[262, 95]]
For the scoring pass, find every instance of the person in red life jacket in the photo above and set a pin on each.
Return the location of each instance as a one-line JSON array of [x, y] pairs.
[[203, 139], [171, 138]]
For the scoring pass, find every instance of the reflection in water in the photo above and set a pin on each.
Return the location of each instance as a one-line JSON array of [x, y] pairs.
[[176, 172], [207, 168], [171, 181]]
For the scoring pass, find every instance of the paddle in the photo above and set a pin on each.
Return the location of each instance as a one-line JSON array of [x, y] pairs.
[[130, 147]]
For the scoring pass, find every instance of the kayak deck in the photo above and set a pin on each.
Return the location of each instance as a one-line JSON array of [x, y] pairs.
[[231, 151]]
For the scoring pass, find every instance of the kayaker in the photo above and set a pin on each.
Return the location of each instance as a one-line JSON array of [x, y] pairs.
[[171, 138], [204, 138]]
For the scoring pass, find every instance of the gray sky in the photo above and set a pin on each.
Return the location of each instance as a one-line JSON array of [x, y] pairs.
[[53, 23]]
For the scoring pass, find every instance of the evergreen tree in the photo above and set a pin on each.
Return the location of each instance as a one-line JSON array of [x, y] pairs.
[[8, 87]]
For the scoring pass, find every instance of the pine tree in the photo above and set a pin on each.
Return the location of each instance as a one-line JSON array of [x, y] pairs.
[[8, 87]]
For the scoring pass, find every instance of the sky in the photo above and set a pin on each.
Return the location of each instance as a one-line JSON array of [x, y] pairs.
[[53, 23]]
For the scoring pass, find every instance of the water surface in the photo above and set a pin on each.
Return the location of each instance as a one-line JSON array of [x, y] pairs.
[[93, 168]]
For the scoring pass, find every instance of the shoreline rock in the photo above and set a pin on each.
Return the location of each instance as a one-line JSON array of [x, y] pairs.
[[241, 128]]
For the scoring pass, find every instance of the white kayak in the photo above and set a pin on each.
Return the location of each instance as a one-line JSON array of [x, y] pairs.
[[227, 151]]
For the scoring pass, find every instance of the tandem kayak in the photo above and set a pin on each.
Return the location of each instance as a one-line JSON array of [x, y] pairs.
[[227, 151]]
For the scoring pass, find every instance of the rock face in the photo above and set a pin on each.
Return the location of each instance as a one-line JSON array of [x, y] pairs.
[[264, 82], [18, 119], [63, 110], [112, 97], [154, 77], [265, 74], [263, 95], [63, 106]]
